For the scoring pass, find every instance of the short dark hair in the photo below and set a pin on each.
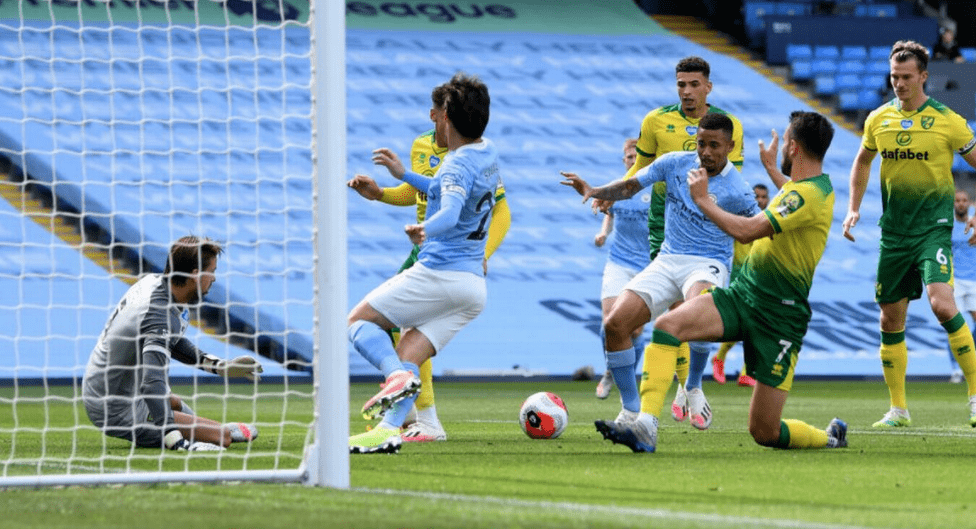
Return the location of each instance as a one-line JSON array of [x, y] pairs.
[[904, 50], [760, 186], [693, 64], [812, 131], [715, 121], [468, 105], [439, 96], [187, 254]]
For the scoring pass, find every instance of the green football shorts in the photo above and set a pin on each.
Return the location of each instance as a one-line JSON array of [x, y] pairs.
[[906, 263]]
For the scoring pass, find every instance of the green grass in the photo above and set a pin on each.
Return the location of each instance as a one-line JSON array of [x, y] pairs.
[[490, 475]]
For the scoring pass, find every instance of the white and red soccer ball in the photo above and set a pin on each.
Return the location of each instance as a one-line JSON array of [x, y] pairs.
[[543, 416]]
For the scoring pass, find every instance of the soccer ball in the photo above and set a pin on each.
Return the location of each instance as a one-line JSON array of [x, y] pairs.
[[543, 416]]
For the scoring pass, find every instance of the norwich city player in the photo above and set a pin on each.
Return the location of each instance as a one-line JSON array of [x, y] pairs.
[[766, 307], [917, 137], [426, 154], [668, 129]]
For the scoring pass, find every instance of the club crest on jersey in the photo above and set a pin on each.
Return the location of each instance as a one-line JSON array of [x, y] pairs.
[[669, 128], [927, 122], [434, 160], [907, 123], [790, 203], [645, 198], [691, 130]]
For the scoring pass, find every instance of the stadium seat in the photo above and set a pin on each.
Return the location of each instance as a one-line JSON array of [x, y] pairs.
[[848, 81], [755, 25], [869, 99], [798, 51], [968, 53], [876, 10], [879, 52], [879, 67], [875, 82], [851, 66], [801, 70], [793, 9], [856, 53], [826, 52], [824, 67], [847, 100], [825, 85]]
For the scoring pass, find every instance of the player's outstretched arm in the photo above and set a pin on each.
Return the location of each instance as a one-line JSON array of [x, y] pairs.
[[767, 155], [742, 229], [390, 160], [860, 173], [617, 190], [366, 187], [242, 366]]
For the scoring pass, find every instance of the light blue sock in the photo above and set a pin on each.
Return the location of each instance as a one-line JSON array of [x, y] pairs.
[[621, 364], [394, 417], [697, 363], [371, 341]]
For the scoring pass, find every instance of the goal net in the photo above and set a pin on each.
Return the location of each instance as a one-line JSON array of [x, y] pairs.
[[124, 126]]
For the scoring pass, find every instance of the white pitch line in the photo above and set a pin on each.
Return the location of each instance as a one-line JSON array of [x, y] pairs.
[[661, 514]]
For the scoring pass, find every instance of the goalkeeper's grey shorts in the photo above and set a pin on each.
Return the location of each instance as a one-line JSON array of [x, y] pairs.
[[131, 423]]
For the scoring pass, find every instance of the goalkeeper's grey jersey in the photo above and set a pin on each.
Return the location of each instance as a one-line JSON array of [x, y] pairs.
[[131, 358]]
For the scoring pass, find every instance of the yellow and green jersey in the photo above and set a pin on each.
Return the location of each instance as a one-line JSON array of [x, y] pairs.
[[917, 188], [668, 129], [739, 253], [779, 269], [425, 159]]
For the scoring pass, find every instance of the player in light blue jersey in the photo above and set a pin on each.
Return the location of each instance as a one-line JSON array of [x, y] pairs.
[[696, 254], [629, 253], [964, 270], [445, 290]]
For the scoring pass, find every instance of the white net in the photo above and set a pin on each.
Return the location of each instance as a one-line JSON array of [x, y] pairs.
[[123, 127]]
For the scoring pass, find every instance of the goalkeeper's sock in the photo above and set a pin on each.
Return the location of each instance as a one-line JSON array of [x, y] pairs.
[[894, 363], [961, 344], [371, 341], [698, 360], [426, 397], [621, 364], [659, 362], [681, 363], [723, 350], [394, 417], [798, 434]]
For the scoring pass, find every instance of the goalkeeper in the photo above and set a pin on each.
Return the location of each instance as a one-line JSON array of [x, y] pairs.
[[125, 388]]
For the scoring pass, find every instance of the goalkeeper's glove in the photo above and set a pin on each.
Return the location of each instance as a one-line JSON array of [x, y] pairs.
[[175, 441], [242, 366]]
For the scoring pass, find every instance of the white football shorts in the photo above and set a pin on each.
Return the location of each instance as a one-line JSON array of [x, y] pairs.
[[668, 277], [438, 303], [615, 278], [964, 291]]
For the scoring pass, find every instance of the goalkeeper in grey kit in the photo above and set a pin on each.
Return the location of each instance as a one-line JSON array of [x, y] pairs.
[[126, 388]]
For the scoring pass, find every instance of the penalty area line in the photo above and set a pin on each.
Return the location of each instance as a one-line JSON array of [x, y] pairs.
[[613, 510]]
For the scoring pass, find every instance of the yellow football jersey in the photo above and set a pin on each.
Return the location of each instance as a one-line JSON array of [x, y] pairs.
[[917, 187], [425, 159], [668, 129]]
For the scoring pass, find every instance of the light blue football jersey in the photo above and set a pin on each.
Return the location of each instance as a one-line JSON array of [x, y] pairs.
[[630, 246], [687, 231], [963, 255], [472, 173]]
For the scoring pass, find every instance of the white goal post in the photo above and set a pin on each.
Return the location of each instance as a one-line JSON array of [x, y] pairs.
[[125, 125]]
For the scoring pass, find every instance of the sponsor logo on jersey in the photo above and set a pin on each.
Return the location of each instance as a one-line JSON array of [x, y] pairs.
[[691, 130], [790, 203], [903, 138], [690, 145], [904, 154], [927, 122], [434, 160], [907, 123]]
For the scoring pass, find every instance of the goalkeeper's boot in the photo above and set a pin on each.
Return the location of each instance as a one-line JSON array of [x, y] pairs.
[[639, 436], [699, 411], [242, 432], [972, 411], [605, 386], [718, 369], [379, 440], [421, 432], [679, 406], [895, 418], [836, 434], [399, 385], [746, 381]]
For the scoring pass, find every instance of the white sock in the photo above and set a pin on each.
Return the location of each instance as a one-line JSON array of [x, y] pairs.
[[428, 416]]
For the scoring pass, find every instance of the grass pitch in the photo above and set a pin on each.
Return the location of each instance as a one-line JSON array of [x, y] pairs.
[[489, 474]]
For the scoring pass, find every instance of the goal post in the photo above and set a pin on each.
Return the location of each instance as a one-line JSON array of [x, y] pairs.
[[125, 125]]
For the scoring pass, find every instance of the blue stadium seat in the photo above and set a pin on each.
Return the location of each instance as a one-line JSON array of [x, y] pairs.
[[798, 51], [826, 52], [879, 52], [755, 25], [875, 82], [793, 9], [880, 67], [847, 100], [801, 70], [824, 67], [825, 85], [968, 53], [869, 99], [855, 67], [848, 81], [857, 53], [876, 10]]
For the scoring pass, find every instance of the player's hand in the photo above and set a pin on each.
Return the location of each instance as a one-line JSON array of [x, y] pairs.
[[971, 226], [242, 366], [698, 184], [390, 160], [600, 239], [601, 206], [366, 186], [851, 220], [416, 233], [768, 155], [573, 180]]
